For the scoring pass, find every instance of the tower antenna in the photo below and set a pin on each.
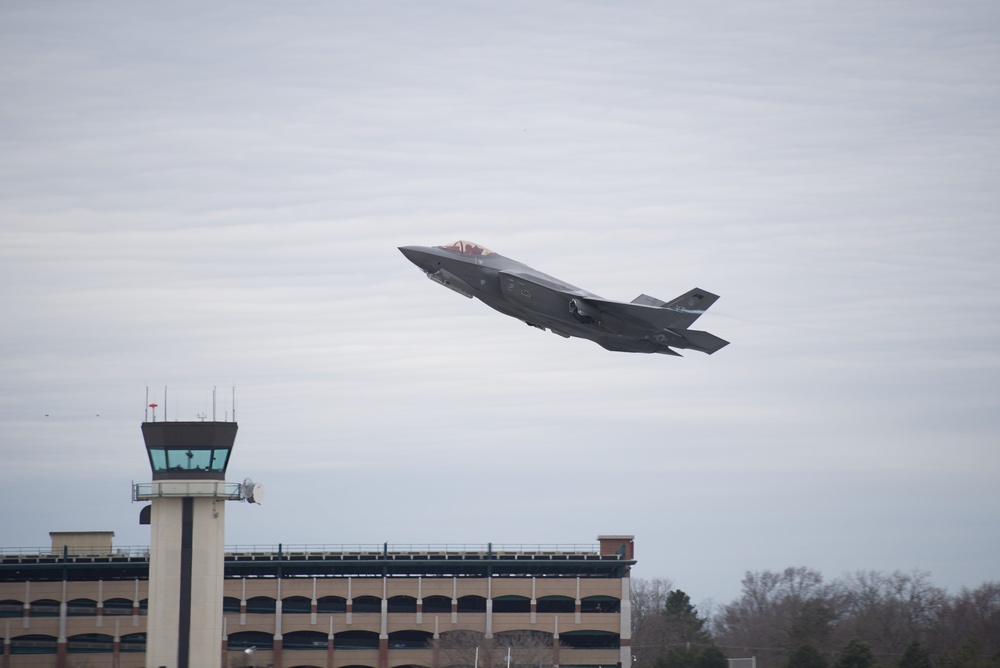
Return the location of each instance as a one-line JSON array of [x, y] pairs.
[[213, 403]]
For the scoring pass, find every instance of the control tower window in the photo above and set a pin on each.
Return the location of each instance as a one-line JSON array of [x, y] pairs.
[[212, 460]]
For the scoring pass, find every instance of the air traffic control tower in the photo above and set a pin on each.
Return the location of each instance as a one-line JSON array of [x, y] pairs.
[[187, 517]]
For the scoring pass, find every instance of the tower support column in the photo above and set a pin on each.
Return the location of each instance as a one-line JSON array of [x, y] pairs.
[[186, 555]]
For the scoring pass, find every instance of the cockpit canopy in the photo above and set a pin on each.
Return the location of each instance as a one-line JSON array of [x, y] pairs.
[[467, 248]]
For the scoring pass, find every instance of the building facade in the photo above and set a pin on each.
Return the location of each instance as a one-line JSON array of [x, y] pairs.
[[84, 606]]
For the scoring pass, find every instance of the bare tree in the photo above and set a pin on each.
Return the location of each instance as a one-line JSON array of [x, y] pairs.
[[891, 610], [900, 616], [778, 611], [648, 597], [462, 648], [649, 600], [526, 649], [668, 631], [967, 629], [887, 612]]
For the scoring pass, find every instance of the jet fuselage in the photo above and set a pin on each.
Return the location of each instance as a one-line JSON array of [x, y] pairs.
[[543, 301]]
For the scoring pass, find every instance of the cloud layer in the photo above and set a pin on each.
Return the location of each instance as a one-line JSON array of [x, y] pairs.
[[200, 197]]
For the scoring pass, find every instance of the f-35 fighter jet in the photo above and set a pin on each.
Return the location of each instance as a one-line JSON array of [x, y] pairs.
[[645, 325]]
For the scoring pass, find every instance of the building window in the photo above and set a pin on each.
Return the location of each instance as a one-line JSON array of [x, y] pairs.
[[410, 640], [356, 640], [133, 642], [90, 643], [205, 459], [33, 644], [589, 640], [503, 604], [556, 604], [472, 604], [367, 604], [296, 605], [600, 604], [402, 604], [261, 605], [437, 604], [328, 604], [118, 606], [304, 640], [45, 607], [245, 639], [11, 608], [81, 607]]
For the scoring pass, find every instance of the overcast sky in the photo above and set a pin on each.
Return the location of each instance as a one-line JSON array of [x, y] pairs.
[[197, 196]]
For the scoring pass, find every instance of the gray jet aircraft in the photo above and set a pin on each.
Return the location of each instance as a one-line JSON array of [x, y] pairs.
[[645, 325]]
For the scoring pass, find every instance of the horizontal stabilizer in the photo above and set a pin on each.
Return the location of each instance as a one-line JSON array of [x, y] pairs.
[[703, 341]]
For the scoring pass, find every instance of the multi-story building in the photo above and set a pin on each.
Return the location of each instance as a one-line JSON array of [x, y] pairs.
[[82, 605]]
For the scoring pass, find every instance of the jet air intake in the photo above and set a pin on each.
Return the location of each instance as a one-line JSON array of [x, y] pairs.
[[451, 281], [583, 311]]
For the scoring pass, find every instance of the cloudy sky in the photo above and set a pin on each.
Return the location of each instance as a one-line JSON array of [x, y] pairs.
[[200, 196]]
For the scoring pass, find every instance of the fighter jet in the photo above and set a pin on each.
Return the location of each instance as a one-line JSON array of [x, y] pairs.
[[645, 325]]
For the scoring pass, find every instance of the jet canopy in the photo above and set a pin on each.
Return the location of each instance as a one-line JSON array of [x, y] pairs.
[[467, 248]]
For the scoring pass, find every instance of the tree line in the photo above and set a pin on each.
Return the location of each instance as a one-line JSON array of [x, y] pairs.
[[795, 619]]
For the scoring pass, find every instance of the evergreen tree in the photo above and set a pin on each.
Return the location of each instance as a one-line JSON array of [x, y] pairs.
[[855, 654], [811, 623], [683, 639], [806, 656], [712, 657], [683, 621], [678, 657], [971, 655], [693, 657], [915, 656]]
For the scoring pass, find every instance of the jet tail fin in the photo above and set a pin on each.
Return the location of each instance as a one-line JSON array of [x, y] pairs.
[[686, 308]]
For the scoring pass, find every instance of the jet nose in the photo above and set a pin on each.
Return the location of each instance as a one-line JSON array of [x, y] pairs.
[[419, 256], [410, 252]]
